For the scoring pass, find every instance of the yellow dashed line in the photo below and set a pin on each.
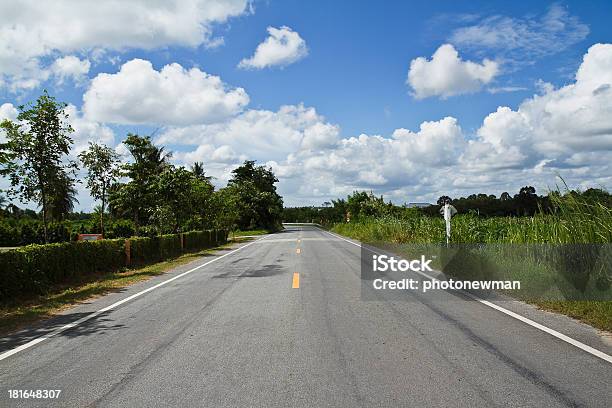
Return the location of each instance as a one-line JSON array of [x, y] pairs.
[[296, 280]]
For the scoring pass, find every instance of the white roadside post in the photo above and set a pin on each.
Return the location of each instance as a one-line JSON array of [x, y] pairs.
[[447, 212]]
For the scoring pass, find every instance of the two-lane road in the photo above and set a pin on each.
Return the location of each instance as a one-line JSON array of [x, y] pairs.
[[240, 331]]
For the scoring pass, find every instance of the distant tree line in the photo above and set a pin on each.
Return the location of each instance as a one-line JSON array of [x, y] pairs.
[[361, 204], [525, 203], [144, 195]]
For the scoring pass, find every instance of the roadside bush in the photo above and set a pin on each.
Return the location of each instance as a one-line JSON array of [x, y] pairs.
[[195, 240], [144, 250], [170, 245], [33, 268]]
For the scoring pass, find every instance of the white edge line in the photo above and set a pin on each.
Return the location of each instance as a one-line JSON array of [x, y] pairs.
[[57, 331], [552, 332]]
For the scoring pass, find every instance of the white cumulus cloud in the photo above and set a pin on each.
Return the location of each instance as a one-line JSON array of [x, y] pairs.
[[566, 131], [8, 111], [557, 126], [31, 29], [138, 94], [283, 47], [446, 74], [261, 134], [70, 67]]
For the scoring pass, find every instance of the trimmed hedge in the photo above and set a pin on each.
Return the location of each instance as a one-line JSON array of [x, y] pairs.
[[144, 250], [170, 246], [195, 240], [34, 268]]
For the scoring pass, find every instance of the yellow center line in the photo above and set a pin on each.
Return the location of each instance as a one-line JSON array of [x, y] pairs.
[[296, 280]]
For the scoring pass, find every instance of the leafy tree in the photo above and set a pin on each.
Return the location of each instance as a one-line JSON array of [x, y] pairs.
[[363, 204], [259, 205], [5, 155], [443, 200], [175, 189], [526, 201], [102, 164], [62, 197], [198, 170], [163, 218], [224, 205], [38, 145], [137, 198]]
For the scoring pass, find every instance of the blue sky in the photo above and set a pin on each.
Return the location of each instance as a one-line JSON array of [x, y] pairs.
[[344, 75]]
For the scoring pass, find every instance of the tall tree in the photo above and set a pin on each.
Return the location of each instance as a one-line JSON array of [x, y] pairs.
[[198, 170], [62, 197], [137, 197], [259, 203], [38, 144], [175, 191], [224, 204], [102, 164]]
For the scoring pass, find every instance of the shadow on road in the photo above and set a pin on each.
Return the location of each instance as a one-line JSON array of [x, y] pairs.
[[95, 326], [261, 272]]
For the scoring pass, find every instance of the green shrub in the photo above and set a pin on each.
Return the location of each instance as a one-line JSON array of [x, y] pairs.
[[144, 250], [33, 268], [195, 240], [170, 245]]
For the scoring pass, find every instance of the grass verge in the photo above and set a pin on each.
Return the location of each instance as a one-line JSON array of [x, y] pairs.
[[23, 312], [249, 233], [597, 313]]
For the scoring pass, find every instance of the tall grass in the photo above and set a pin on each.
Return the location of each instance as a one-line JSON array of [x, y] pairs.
[[574, 221]]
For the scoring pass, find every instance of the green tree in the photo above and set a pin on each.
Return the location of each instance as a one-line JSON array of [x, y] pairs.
[[102, 164], [137, 198], [259, 205], [175, 189], [198, 170], [224, 206], [62, 198], [363, 204], [38, 145]]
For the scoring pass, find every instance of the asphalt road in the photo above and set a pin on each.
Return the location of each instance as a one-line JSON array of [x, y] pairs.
[[236, 332]]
